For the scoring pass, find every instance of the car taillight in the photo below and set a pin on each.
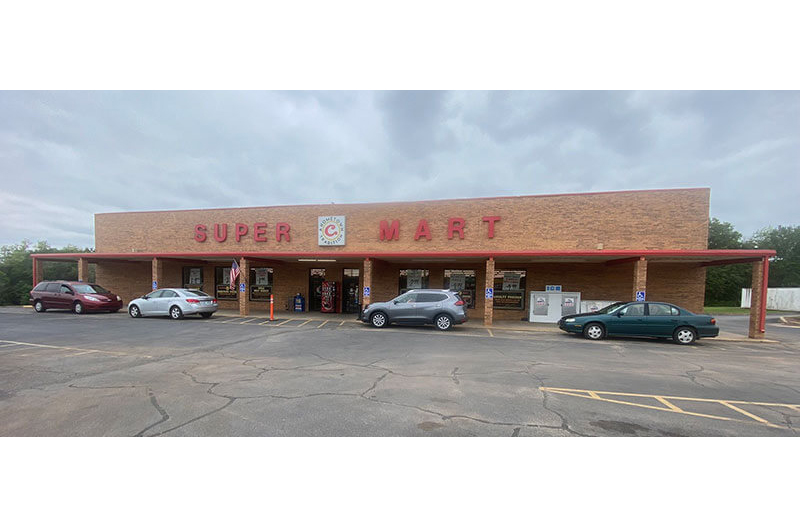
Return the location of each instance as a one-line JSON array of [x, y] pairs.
[[459, 303], [213, 300], [713, 321], [192, 301]]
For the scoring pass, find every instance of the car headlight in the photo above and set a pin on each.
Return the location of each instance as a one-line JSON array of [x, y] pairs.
[[92, 298], [569, 320], [119, 298]]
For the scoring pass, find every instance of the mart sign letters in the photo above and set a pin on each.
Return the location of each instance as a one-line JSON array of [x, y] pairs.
[[331, 230]]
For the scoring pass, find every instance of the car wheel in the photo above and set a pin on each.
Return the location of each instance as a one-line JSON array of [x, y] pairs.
[[77, 308], [594, 331], [175, 312], [685, 335], [134, 311], [38, 306], [205, 315], [378, 320], [443, 322]]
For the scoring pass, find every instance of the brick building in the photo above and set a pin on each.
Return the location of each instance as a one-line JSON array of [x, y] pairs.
[[499, 252]]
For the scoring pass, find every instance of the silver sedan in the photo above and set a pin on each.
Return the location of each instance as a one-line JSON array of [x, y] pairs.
[[174, 302]]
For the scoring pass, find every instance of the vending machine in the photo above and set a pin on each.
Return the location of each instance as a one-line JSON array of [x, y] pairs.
[[329, 297]]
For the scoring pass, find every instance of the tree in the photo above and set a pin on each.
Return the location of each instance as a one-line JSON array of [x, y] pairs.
[[724, 283], [16, 269], [784, 269]]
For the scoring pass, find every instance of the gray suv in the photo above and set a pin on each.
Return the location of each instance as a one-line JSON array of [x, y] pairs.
[[442, 308]]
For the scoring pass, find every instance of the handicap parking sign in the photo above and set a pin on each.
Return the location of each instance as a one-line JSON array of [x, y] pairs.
[[366, 291], [640, 295], [155, 285], [490, 293], [242, 287]]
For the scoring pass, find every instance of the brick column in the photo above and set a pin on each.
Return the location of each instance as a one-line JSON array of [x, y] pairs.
[[758, 299], [244, 278], [367, 283], [158, 272], [488, 304], [639, 277], [38, 273], [83, 269]]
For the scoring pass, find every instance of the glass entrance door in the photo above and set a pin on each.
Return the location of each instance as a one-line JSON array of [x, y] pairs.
[[315, 279], [350, 300]]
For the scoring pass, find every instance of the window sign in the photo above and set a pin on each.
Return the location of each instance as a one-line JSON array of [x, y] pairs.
[[195, 276], [553, 288], [511, 281], [458, 281], [414, 279], [262, 276]]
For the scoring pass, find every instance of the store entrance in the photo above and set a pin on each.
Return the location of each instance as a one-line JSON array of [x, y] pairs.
[[350, 301], [323, 294]]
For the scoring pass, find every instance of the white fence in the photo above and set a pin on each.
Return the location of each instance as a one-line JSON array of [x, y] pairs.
[[777, 298]]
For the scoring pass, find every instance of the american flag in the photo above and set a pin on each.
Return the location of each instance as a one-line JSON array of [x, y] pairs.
[[234, 274]]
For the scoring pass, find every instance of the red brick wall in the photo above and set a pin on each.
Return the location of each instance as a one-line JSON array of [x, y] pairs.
[[667, 219]]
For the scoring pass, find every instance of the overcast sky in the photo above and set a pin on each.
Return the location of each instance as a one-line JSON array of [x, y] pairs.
[[67, 155]]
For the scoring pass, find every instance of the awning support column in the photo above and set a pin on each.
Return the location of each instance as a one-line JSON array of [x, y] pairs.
[[83, 269], [488, 303], [639, 277], [158, 272], [38, 274], [244, 276], [758, 299], [366, 294]]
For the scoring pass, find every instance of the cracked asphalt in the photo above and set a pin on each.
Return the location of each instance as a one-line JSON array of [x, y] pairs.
[[110, 375]]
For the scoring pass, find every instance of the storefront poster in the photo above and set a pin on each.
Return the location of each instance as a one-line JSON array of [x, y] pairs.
[[511, 281], [194, 276], [458, 282], [224, 293], [262, 276], [414, 279], [509, 300], [260, 293]]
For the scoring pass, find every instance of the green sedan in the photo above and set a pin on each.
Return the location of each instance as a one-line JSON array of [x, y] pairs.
[[651, 319]]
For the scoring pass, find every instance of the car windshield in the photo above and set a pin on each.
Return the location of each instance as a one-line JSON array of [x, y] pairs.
[[89, 288], [196, 293], [610, 308]]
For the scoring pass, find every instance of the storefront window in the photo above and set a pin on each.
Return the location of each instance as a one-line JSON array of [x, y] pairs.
[[193, 278], [260, 284], [463, 282], [223, 291], [509, 289], [411, 279]]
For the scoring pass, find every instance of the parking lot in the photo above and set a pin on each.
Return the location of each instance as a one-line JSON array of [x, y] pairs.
[[110, 375]]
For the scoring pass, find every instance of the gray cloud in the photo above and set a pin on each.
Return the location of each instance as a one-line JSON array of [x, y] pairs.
[[67, 155]]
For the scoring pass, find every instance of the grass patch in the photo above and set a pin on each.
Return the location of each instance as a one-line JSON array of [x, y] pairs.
[[735, 310]]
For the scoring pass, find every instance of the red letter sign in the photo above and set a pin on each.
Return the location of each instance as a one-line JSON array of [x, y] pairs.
[[491, 220], [220, 235], [455, 225], [200, 233], [260, 232], [390, 233], [282, 230], [241, 230], [422, 230]]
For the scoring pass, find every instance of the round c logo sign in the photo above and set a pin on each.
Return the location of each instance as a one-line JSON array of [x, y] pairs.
[[331, 230]]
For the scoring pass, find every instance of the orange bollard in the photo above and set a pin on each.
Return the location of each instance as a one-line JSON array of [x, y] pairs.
[[271, 309]]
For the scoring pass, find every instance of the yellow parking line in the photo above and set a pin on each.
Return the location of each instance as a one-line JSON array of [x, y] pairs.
[[249, 320], [753, 416], [340, 324], [490, 332], [305, 323], [669, 404], [286, 321], [265, 322], [593, 395], [323, 324], [674, 397]]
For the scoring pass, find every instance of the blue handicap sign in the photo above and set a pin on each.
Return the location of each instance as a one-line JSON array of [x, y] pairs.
[[155, 285], [490, 293], [640, 295], [366, 291], [242, 287]]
